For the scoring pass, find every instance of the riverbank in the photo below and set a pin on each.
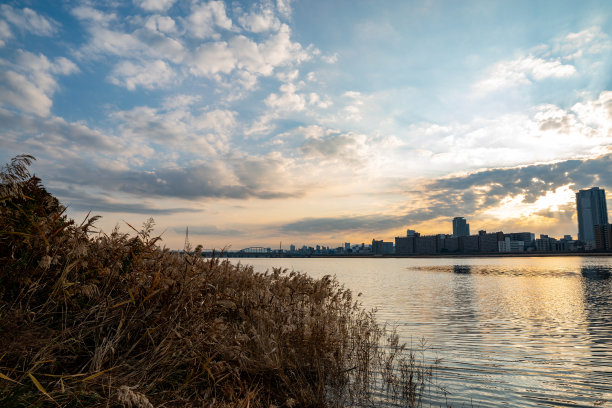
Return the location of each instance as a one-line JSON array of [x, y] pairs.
[[446, 255]]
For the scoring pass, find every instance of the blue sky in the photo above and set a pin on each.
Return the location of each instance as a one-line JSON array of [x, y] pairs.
[[311, 121]]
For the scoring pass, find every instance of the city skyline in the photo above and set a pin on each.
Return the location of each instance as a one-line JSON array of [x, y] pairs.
[[591, 211], [259, 122]]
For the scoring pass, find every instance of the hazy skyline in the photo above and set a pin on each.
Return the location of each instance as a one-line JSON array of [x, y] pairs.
[[311, 121]]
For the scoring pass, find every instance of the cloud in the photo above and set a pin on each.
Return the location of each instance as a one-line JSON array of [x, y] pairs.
[[287, 100], [211, 179], [343, 224], [284, 7], [212, 58], [532, 181], [91, 15], [544, 191], [546, 132], [155, 51], [44, 134], [30, 83], [5, 33], [350, 148], [205, 17], [155, 5], [163, 24], [241, 53], [522, 71], [207, 132], [211, 230], [260, 21], [28, 20], [103, 204], [590, 41], [149, 75], [330, 59]]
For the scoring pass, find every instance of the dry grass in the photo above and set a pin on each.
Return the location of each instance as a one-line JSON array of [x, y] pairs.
[[89, 319]]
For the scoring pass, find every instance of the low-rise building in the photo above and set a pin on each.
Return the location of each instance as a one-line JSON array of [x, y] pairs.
[[507, 245]]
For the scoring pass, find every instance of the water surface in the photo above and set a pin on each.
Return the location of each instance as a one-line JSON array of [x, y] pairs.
[[527, 332]]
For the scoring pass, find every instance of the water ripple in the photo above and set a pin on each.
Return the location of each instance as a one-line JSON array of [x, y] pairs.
[[526, 332]]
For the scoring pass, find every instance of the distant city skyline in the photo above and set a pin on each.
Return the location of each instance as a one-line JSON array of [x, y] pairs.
[[256, 122]]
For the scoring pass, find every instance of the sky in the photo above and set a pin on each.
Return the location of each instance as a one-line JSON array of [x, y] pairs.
[[311, 122]]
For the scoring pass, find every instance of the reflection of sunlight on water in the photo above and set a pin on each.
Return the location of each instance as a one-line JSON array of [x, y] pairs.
[[519, 331]]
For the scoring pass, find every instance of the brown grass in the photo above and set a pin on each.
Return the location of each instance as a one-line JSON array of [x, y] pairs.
[[90, 319]]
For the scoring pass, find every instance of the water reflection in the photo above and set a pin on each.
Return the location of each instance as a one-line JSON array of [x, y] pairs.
[[527, 332], [597, 284], [596, 272], [462, 269]]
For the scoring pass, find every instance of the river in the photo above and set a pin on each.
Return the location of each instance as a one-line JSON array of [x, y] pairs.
[[527, 332]]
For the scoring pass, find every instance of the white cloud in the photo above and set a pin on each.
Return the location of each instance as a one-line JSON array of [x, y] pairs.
[[315, 99], [155, 5], [284, 7], [178, 128], [29, 20], [280, 50], [30, 83], [243, 54], [523, 71], [234, 63], [149, 75], [287, 100], [330, 59], [163, 24], [55, 133], [5, 32], [259, 22], [18, 91], [589, 41], [150, 41], [92, 15], [547, 132], [212, 58], [180, 101], [205, 17]]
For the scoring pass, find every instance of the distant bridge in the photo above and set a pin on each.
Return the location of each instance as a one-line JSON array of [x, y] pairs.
[[255, 250]]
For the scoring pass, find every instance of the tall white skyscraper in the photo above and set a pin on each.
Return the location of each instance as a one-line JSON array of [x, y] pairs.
[[592, 210]]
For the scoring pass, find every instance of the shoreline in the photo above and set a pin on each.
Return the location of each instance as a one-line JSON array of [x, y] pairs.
[[487, 255]]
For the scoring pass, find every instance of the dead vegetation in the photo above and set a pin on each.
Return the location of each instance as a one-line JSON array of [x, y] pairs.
[[90, 319]]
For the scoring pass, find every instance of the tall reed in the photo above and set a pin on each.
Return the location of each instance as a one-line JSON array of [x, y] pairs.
[[95, 319]]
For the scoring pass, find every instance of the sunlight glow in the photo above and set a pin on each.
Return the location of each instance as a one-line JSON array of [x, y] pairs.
[[516, 206]]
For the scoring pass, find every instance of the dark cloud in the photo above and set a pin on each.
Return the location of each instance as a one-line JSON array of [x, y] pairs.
[[211, 230], [207, 180], [41, 133], [466, 195], [369, 223], [533, 181], [82, 201]]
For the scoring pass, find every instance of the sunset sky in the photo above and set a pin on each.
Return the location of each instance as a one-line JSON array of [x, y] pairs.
[[311, 121]]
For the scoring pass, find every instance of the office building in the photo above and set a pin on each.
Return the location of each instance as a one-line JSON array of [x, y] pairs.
[[460, 227], [405, 245], [488, 242], [508, 245], [382, 248], [603, 237], [592, 210]]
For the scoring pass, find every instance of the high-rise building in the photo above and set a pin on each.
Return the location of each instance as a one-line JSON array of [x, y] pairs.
[[592, 211], [460, 227]]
